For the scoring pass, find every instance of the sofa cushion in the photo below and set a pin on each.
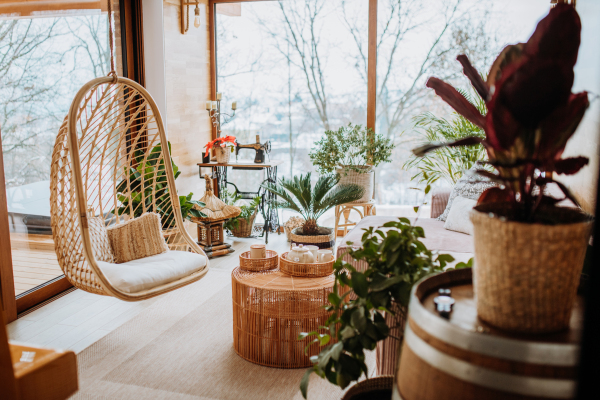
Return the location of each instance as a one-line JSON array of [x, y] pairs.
[[150, 272], [458, 219], [137, 238], [436, 237], [99, 238], [469, 186]]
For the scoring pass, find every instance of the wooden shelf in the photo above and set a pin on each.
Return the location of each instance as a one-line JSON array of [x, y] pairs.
[[243, 164]]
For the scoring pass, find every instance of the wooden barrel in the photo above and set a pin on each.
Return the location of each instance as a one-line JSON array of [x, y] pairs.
[[464, 358]]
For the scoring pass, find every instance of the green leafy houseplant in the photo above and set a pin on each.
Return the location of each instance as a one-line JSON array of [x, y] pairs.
[[146, 189], [447, 163], [246, 213], [351, 147], [298, 194], [396, 260]]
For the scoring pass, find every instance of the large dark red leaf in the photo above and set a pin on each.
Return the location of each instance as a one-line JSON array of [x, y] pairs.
[[510, 55], [534, 90], [558, 127], [468, 141], [557, 36], [570, 166], [457, 101], [502, 128], [476, 80], [495, 195]]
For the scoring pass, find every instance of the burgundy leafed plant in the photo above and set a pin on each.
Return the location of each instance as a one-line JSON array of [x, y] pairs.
[[531, 114]]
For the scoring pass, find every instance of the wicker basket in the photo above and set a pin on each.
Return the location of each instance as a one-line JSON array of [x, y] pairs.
[[379, 388], [222, 154], [244, 228], [388, 349], [321, 241], [309, 270], [259, 264], [365, 180], [526, 275]]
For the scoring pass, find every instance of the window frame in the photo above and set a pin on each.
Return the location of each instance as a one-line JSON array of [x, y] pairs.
[[133, 68], [371, 68]]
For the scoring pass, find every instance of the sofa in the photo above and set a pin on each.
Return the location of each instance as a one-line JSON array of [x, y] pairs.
[[437, 238]]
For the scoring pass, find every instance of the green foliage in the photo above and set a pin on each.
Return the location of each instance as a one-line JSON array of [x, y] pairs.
[[148, 188], [297, 194], [448, 163], [350, 146], [246, 213], [396, 260]]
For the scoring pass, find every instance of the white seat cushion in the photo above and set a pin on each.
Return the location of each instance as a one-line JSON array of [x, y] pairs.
[[150, 272]]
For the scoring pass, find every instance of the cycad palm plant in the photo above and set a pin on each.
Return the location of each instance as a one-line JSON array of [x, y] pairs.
[[297, 194]]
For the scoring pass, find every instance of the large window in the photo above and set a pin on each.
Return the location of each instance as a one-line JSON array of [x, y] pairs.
[[293, 72], [43, 63], [299, 67]]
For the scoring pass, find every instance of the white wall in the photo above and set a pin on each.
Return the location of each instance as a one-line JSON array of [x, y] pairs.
[[154, 54], [586, 141]]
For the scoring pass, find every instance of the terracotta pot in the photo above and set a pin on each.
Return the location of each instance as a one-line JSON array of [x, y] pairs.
[[365, 180], [526, 274]]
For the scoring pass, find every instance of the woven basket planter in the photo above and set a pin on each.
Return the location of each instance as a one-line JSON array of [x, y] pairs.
[[222, 154], [379, 388], [308, 270], [365, 180], [259, 264], [244, 228], [526, 275], [388, 350], [321, 241]]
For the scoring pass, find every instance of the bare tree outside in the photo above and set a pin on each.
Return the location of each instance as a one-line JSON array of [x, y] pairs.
[[43, 62], [313, 75]]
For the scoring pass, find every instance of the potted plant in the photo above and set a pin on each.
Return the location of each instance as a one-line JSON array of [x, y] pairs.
[[529, 252], [352, 151], [298, 194], [223, 146], [155, 190], [373, 303], [447, 163], [241, 226]]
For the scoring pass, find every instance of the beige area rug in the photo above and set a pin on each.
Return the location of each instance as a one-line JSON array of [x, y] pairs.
[[181, 348]]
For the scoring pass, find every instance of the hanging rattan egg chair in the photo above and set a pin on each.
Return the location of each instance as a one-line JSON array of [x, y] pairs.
[[112, 128]]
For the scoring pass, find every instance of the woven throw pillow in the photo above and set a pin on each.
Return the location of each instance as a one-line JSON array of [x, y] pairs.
[[469, 186], [100, 242], [137, 238], [458, 218]]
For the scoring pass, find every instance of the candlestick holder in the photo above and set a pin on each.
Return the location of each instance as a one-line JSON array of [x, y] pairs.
[[217, 117]]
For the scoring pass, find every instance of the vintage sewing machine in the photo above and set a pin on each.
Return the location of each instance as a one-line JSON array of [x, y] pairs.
[[260, 149]]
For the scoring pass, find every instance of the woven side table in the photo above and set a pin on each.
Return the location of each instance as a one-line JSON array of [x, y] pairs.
[[270, 310], [368, 209]]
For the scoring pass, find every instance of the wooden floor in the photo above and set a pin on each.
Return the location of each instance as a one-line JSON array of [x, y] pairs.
[[79, 319], [34, 260]]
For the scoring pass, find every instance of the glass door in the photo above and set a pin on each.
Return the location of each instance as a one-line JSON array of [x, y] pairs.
[[43, 63]]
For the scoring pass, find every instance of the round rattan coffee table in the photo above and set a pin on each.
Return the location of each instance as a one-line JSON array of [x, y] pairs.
[[270, 310]]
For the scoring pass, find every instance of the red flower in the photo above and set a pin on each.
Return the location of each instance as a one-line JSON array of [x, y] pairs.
[[219, 142]]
